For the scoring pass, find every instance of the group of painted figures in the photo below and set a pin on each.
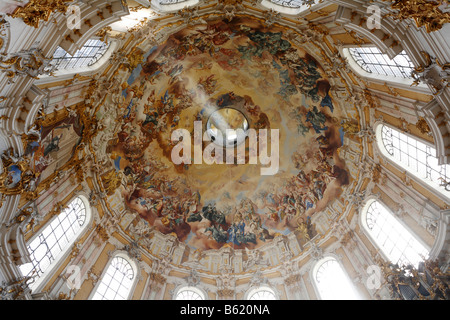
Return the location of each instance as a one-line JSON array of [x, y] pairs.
[[169, 204]]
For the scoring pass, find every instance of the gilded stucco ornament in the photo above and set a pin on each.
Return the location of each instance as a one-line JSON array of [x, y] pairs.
[[189, 15], [423, 127], [135, 58], [425, 13], [350, 127], [230, 8], [4, 33], [15, 289], [433, 73], [36, 10], [111, 181], [31, 63], [17, 176]]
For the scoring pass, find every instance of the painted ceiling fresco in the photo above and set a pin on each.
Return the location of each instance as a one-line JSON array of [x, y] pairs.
[[275, 85]]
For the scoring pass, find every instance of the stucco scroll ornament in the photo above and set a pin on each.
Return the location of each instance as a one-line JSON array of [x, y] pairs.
[[230, 8], [17, 176], [36, 10], [133, 250], [189, 15], [4, 25], [134, 58], [27, 218], [425, 13], [433, 73], [316, 252], [255, 258], [423, 127], [15, 289], [31, 63], [193, 279], [271, 16], [350, 127]]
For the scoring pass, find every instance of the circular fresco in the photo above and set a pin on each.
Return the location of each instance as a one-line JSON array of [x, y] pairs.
[[229, 75]]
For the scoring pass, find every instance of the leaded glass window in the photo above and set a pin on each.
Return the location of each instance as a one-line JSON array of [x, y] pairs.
[[293, 3], [54, 239], [372, 60], [396, 242], [189, 294], [116, 282], [415, 156], [262, 294], [163, 2], [89, 54], [332, 281]]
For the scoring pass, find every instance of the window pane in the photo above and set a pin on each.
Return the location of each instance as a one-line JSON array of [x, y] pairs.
[[294, 3], [372, 60], [415, 156], [89, 54], [398, 244], [117, 281], [263, 294], [333, 283], [52, 241], [188, 294]]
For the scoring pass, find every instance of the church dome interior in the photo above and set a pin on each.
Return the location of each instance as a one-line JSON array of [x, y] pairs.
[[224, 150]]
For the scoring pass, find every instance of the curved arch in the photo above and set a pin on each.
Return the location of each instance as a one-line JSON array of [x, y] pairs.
[[331, 280], [79, 64], [189, 293], [417, 157], [396, 241], [389, 38], [262, 292], [354, 20], [435, 116], [117, 280], [51, 244], [291, 7], [401, 82], [172, 5]]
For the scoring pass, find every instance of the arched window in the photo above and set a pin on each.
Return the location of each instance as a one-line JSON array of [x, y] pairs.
[[332, 281], [395, 241], [172, 5], [372, 60], [49, 245], [262, 293], [89, 54], [165, 2], [289, 6], [292, 3], [419, 158], [117, 281], [189, 293]]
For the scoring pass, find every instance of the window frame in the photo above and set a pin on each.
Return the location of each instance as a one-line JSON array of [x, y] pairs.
[[67, 74], [62, 255], [133, 265], [313, 276], [399, 82], [101, 49], [290, 10], [196, 290], [252, 291], [385, 66], [172, 7], [427, 184], [368, 232]]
